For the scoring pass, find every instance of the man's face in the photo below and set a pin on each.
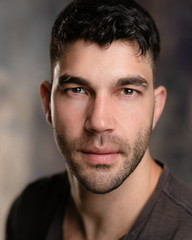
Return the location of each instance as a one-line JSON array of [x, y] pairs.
[[102, 107]]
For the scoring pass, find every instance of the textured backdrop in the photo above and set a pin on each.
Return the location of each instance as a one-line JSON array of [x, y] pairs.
[[27, 149]]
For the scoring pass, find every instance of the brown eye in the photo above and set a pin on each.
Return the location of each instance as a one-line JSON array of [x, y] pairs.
[[76, 90], [128, 91]]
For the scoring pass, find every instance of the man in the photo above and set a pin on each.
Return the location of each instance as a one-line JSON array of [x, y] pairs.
[[102, 106]]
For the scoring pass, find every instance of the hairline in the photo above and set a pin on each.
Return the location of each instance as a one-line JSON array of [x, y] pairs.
[[138, 53]]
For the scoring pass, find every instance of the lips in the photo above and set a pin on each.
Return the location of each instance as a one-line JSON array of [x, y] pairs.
[[100, 155]]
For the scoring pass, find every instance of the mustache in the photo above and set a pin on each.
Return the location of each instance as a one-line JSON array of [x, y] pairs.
[[97, 140]]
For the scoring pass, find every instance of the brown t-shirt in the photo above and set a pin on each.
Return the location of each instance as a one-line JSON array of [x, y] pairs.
[[39, 212]]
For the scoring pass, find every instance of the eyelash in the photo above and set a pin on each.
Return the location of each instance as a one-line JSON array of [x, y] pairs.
[[128, 91], [75, 90], [80, 90]]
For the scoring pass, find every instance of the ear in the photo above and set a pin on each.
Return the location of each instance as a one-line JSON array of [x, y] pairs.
[[45, 94], [160, 94]]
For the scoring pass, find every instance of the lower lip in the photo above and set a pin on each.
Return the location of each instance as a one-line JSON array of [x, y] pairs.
[[107, 158]]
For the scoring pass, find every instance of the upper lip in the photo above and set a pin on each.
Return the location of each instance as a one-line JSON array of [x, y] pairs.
[[96, 150]]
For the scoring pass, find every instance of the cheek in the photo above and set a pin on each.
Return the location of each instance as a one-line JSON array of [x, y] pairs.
[[134, 118], [68, 116]]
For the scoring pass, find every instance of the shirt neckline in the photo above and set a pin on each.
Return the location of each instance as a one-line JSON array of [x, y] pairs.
[[56, 230]]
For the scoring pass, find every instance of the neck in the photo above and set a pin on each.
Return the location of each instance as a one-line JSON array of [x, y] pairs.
[[100, 214]]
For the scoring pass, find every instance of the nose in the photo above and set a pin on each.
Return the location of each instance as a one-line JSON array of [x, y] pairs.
[[100, 116]]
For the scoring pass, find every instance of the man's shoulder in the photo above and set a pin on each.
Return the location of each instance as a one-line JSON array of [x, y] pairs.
[[174, 192], [45, 185], [42, 192], [179, 194], [173, 211], [168, 214], [35, 207]]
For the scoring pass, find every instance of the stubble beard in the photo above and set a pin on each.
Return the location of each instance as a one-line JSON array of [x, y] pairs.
[[102, 178]]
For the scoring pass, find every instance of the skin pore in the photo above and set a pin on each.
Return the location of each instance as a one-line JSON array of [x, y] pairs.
[[103, 106]]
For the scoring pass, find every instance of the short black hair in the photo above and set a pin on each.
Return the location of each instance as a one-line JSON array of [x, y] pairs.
[[102, 22]]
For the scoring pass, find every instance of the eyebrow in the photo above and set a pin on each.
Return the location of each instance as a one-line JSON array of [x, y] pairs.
[[130, 80], [67, 79]]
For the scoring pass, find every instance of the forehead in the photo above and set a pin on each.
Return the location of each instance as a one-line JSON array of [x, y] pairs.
[[94, 62]]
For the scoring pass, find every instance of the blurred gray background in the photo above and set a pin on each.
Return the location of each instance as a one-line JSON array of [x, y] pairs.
[[27, 148]]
